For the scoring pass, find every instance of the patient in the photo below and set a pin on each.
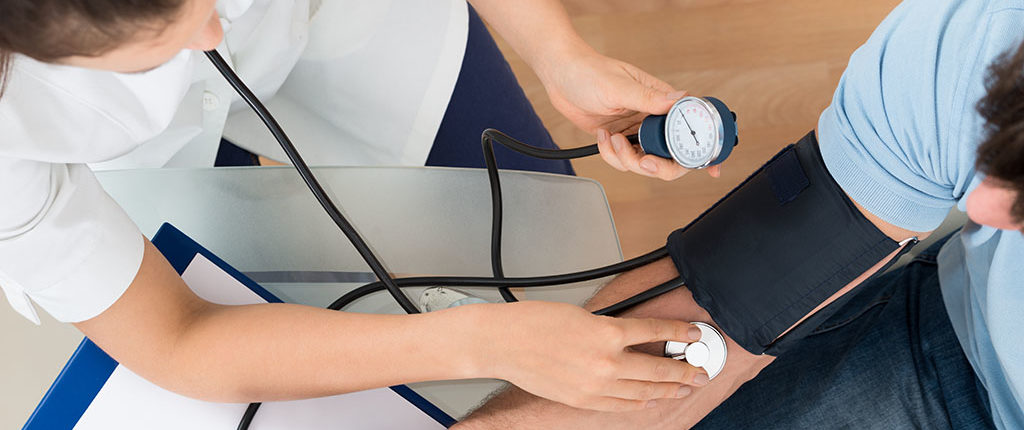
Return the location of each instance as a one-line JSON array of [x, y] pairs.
[[929, 114]]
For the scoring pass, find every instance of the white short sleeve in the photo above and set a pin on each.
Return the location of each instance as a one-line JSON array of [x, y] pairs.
[[64, 243]]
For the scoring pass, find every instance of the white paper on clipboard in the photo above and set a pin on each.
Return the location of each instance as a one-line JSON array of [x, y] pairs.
[[127, 401]]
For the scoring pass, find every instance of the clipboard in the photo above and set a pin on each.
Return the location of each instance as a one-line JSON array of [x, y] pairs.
[[90, 372]]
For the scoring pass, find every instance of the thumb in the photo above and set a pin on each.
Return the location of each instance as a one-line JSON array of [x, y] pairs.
[[653, 101]]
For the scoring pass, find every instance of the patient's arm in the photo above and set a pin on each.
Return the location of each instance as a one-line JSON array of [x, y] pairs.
[[516, 409]]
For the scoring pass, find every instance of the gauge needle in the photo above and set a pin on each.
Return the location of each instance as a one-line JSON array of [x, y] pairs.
[[693, 134]]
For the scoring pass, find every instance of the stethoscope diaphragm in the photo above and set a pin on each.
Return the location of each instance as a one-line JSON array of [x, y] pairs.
[[708, 353]]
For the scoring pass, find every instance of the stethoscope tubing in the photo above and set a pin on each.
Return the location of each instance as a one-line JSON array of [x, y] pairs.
[[394, 286]]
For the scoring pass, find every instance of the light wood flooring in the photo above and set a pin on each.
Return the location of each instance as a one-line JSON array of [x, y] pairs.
[[774, 62]]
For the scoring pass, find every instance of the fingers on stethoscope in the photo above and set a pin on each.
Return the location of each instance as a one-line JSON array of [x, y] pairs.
[[641, 390], [619, 153], [650, 368], [631, 395]]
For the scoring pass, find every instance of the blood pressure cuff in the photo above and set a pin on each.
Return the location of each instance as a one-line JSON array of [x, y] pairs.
[[775, 248]]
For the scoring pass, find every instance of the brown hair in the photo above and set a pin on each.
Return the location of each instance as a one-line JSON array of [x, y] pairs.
[[1001, 155], [48, 30]]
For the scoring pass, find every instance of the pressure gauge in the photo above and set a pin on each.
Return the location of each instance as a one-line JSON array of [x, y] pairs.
[[697, 132]]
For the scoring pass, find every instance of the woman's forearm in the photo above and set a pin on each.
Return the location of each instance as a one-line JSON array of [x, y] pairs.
[[591, 90], [283, 352], [161, 330]]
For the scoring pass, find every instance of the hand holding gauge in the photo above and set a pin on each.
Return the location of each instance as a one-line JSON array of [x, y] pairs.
[[697, 132]]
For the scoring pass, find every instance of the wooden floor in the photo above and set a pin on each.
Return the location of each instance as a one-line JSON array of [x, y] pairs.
[[774, 62]]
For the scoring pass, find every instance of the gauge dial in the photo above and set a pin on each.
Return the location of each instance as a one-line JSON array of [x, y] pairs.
[[693, 132]]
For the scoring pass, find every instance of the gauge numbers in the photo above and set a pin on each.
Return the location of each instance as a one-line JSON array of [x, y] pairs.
[[693, 131]]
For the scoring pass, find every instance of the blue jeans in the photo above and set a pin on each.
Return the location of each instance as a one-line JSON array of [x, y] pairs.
[[486, 95], [889, 359]]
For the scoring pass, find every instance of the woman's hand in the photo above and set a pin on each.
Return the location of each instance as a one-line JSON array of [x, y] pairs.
[[597, 92], [593, 91], [624, 156], [563, 353], [608, 97]]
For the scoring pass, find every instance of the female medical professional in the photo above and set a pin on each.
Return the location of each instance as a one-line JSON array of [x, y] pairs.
[[122, 83]]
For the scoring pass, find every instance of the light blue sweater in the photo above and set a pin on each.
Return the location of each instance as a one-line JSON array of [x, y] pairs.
[[900, 137]]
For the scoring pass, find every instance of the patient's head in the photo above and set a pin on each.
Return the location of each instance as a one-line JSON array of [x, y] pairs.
[[999, 201]]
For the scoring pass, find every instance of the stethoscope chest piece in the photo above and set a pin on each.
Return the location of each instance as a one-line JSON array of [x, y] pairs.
[[709, 353]]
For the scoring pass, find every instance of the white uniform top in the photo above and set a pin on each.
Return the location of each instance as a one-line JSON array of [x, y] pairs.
[[353, 82]]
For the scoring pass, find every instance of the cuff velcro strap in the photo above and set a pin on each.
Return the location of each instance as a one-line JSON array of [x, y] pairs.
[[775, 248]]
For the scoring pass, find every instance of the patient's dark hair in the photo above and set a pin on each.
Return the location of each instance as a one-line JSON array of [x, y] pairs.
[[1001, 155], [49, 30]]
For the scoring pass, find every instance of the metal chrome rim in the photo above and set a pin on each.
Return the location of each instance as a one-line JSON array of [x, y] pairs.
[[718, 352], [715, 342], [716, 117]]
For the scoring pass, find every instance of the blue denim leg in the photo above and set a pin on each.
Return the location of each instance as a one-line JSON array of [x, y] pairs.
[[889, 359], [487, 95]]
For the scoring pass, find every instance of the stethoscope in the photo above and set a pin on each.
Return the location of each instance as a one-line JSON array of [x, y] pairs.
[[697, 132]]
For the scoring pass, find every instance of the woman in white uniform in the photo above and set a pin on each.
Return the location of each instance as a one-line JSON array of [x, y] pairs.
[[122, 83]]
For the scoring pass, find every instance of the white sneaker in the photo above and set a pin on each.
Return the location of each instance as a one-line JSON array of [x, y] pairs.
[[437, 298]]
